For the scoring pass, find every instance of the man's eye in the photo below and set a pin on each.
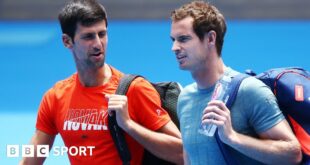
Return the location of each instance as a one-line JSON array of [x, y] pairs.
[[102, 34], [183, 39], [87, 37]]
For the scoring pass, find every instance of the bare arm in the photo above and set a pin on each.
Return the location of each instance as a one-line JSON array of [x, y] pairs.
[[166, 143], [278, 145], [38, 138]]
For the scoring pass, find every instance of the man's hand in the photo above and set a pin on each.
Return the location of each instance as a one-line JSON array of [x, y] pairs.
[[217, 113], [119, 105]]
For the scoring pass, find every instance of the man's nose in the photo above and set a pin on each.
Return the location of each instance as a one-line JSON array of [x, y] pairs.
[[175, 46], [97, 42]]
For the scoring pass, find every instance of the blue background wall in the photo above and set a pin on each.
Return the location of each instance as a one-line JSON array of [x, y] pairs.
[[33, 59]]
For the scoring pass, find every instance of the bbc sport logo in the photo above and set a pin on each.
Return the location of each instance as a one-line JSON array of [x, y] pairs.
[[44, 151]]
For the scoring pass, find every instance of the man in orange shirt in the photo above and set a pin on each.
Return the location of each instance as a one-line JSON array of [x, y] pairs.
[[77, 107]]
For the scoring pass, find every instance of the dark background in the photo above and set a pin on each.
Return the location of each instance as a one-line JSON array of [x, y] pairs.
[[159, 9]]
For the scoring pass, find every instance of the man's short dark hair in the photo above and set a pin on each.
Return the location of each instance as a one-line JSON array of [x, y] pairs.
[[85, 12]]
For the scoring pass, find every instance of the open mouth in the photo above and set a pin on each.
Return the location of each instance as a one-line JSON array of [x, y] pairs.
[[96, 54], [181, 57]]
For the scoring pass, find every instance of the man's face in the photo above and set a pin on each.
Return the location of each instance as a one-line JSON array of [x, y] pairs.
[[89, 46], [190, 51]]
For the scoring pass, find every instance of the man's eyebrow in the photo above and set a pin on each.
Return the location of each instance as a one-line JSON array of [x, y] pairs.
[[184, 36]]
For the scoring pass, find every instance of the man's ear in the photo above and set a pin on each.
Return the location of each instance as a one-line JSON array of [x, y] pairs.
[[211, 37], [67, 41]]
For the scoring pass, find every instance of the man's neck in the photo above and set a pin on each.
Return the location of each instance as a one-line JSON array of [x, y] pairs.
[[95, 77], [207, 76]]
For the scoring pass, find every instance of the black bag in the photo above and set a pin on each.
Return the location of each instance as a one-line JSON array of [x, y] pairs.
[[169, 92]]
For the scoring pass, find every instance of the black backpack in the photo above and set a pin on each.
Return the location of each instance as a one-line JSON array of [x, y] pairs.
[[169, 92]]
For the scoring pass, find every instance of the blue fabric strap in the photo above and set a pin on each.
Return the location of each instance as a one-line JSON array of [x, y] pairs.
[[233, 91]]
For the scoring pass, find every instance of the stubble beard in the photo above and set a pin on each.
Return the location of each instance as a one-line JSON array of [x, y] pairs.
[[98, 64]]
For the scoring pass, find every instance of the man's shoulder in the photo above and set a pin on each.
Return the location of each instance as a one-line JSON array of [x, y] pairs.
[[188, 91], [248, 84], [67, 82], [251, 83], [190, 88], [140, 84], [63, 85], [254, 89]]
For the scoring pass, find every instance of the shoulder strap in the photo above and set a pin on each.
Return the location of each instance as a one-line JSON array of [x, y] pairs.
[[233, 91], [234, 87], [116, 132]]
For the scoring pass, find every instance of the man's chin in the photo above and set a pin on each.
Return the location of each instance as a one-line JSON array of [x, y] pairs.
[[100, 64], [182, 67], [97, 64]]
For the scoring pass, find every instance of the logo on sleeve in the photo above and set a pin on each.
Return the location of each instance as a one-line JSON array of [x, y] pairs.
[[158, 112]]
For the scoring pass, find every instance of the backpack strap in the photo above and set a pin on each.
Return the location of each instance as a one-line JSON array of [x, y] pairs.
[[116, 132], [233, 91]]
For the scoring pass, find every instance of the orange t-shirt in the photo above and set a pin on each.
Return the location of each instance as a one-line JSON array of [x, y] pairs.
[[79, 114]]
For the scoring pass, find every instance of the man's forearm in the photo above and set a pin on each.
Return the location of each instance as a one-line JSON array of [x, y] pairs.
[[268, 151], [38, 139], [162, 145]]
